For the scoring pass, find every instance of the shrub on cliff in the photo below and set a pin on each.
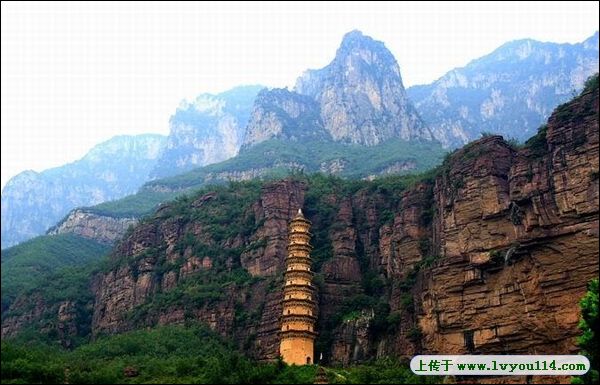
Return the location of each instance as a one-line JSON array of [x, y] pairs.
[[588, 341]]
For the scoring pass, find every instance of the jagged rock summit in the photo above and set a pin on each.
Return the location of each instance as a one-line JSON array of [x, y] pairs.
[[358, 98], [361, 95]]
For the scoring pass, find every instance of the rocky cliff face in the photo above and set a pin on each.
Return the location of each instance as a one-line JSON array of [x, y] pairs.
[[279, 113], [477, 258], [506, 226], [65, 313], [12, 324], [509, 234], [208, 130], [32, 202], [361, 96], [100, 228], [261, 253], [358, 98], [160, 256], [511, 91]]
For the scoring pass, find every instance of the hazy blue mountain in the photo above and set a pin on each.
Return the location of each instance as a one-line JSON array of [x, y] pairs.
[[511, 91], [276, 158], [283, 114], [352, 118], [207, 130], [361, 96], [357, 99], [32, 201]]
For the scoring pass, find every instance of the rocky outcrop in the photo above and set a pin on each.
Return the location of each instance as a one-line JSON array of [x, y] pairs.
[[278, 204], [100, 228], [353, 340], [406, 240], [395, 168], [334, 166], [24, 311], [510, 91], [341, 274], [28, 310], [67, 323], [252, 173], [279, 113], [207, 130], [361, 96]]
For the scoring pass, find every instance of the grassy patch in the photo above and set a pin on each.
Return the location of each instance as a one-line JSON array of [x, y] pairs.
[[24, 266]]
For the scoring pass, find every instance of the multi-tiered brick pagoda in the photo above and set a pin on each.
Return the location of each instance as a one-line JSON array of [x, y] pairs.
[[299, 309]]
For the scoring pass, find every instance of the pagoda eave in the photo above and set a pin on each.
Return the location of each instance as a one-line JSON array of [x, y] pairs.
[[298, 333]]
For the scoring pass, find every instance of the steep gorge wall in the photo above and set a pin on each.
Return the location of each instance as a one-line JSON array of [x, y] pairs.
[[518, 236], [490, 256], [263, 252]]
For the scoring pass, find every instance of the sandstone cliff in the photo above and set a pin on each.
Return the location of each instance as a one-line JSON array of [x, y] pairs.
[[518, 235], [100, 228], [489, 254]]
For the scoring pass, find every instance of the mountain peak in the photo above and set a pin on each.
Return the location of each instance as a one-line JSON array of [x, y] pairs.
[[355, 37], [358, 98], [355, 42], [361, 96]]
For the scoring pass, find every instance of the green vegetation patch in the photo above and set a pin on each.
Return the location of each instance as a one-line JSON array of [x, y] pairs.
[[275, 159], [175, 355], [24, 266]]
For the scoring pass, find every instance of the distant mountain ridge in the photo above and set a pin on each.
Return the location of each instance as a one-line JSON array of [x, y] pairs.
[[208, 130], [511, 91], [357, 99], [32, 202], [351, 118]]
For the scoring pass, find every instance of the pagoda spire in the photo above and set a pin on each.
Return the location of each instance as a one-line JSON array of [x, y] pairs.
[[299, 309]]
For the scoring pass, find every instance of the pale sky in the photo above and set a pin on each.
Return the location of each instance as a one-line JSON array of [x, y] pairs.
[[74, 75]]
